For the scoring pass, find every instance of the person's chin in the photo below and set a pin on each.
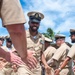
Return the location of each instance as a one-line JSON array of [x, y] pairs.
[[34, 29]]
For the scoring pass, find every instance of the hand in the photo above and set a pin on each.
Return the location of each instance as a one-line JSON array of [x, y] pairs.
[[73, 68], [1, 66], [11, 57], [57, 72], [14, 67], [48, 70], [30, 61]]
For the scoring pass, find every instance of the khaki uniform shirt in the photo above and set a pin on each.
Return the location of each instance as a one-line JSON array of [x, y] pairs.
[[7, 70], [60, 56], [35, 44], [71, 53], [11, 12], [49, 52], [61, 53]]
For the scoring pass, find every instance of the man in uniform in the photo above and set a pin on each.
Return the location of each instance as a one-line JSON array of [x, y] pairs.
[[13, 19], [48, 41], [71, 53], [9, 45], [6, 67], [1, 40], [1, 59], [61, 54], [56, 44], [35, 43], [49, 52]]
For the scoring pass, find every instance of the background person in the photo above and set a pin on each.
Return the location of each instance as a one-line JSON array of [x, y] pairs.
[[49, 52], [70, 55]]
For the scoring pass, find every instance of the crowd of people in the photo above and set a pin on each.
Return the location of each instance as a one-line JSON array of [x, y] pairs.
[[28, 52], [52, 59]]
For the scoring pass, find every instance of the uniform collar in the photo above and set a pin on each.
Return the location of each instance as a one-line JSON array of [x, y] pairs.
[[29, 35]]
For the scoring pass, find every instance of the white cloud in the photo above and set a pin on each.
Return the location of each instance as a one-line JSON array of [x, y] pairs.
[[68, 40], [66, 26], [63, 7], [59, 14]]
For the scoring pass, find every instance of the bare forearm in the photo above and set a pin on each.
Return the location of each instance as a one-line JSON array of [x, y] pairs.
[[44, 60], [65, 62], [50, 61], [4, 54], [18, 36]]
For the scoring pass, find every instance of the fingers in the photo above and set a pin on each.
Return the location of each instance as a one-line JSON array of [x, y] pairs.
[[29, 63], [48, 70], [32, 63], [31, 59], [34, 60], [73, 68], [18, 61], [56, 72]]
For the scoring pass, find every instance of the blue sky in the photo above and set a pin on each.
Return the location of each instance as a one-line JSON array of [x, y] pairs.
[[59, 15]]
